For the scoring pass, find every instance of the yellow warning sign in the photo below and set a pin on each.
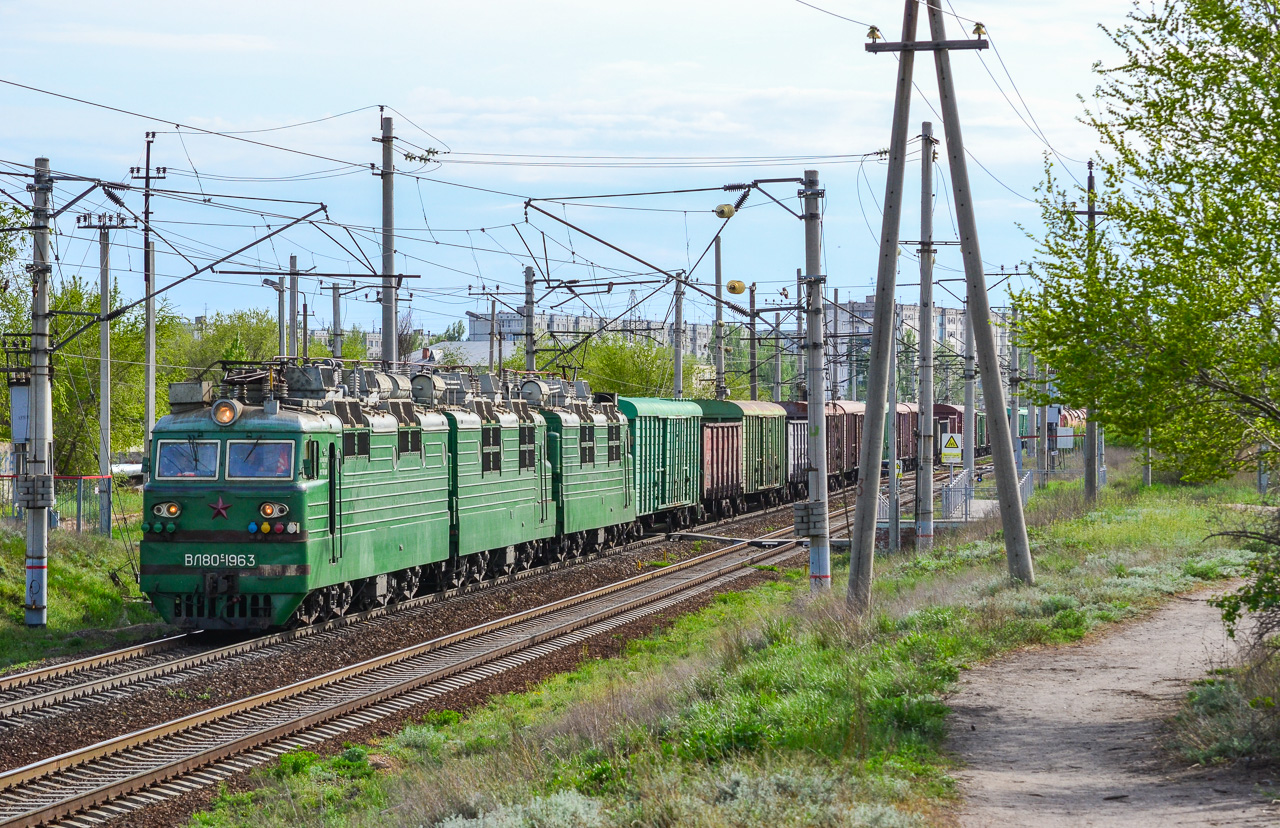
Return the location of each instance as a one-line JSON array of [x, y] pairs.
[[951, 451]]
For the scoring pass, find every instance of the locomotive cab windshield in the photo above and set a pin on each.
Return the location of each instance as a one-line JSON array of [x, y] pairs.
[[191, 458], [260, 459]]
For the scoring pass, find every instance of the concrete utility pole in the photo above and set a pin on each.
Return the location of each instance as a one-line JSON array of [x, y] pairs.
[[1102, 456], [833, 346], [306, 336], [777, 357], [1043, 448], [1090, 424], [104, 224], [390, 317], [677, 345], [337, 322], [968, 440], [815, 510], [1015, 421], [1033, 418], [895, 498], [850, 357], [293, 307], [529, 352], [862, 538], [751, 353], [1016, 546], [721, 390], [149, 413], [1146, 466], [35, 488], [924, 468], [493, 329], [802, 364], [148, 175]]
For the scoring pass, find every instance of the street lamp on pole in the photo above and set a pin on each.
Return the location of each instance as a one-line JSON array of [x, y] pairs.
[[280, 288]]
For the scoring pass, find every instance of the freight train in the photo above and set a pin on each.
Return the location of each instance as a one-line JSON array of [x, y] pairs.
[[298, 491]]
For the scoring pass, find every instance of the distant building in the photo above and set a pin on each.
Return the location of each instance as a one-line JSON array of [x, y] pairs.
[[854, 318]]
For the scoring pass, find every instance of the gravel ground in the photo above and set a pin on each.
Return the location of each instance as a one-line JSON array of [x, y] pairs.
[[221, 683], [1066, 736], [606, 645]]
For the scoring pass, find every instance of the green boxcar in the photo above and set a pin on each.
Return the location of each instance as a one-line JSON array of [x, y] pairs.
[[593, 482], [666, 449], [1024, 424], [764, 439], [982, 440]]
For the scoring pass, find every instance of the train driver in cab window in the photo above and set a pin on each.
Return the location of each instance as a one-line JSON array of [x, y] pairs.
[[269, 460]]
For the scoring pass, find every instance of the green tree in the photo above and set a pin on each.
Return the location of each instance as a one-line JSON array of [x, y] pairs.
[[1166, 316], [616, 363], [353, 346], [75, 371], [242, 334], [454, 333]]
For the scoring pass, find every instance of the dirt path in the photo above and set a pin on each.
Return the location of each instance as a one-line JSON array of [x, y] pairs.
[[1067, 736]]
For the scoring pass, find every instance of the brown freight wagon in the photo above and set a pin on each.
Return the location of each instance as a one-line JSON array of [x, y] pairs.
[[844, 435], [722, 468]]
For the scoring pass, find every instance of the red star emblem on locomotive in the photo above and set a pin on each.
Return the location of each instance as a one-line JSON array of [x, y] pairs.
[[220, 508]]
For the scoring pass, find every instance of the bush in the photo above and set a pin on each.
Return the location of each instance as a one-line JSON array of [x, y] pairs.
[[295, 763], [564, 809], [1235, 716]]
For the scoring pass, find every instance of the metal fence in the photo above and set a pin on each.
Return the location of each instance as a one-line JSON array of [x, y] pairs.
[[955, 494], [958, 496], [1043, 477], [76, 502]]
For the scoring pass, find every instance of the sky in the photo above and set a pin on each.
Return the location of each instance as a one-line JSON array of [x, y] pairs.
[[557, 98]]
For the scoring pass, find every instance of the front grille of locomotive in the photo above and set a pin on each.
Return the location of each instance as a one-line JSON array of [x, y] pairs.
[[199, 605]]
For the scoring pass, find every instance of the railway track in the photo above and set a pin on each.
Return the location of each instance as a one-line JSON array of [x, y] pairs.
[[102, 781], [113, 675], [44, 690]]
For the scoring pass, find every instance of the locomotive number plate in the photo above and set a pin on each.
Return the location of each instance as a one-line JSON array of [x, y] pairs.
[[228, 560]]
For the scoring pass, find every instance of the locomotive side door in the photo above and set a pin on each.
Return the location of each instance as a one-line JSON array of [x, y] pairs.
[[335, 504]]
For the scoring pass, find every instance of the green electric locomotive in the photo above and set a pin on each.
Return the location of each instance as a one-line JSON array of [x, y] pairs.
[[301, 491]]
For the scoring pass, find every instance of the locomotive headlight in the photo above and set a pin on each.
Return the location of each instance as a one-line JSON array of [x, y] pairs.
[[168, 509], [225, 412], [270, 510]]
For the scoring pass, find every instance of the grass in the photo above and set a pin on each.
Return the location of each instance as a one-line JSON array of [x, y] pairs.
[[1233, 714], [93, 599], [766, 708]]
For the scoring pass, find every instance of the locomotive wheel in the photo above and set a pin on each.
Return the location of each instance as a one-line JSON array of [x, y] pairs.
[[407, 583], [455, 573], [309, 612], [337, 600], [479, 567], [524, 556]]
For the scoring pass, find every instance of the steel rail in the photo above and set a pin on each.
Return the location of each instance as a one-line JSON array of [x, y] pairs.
[[93, 662], [29, 789], [60, 694]]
